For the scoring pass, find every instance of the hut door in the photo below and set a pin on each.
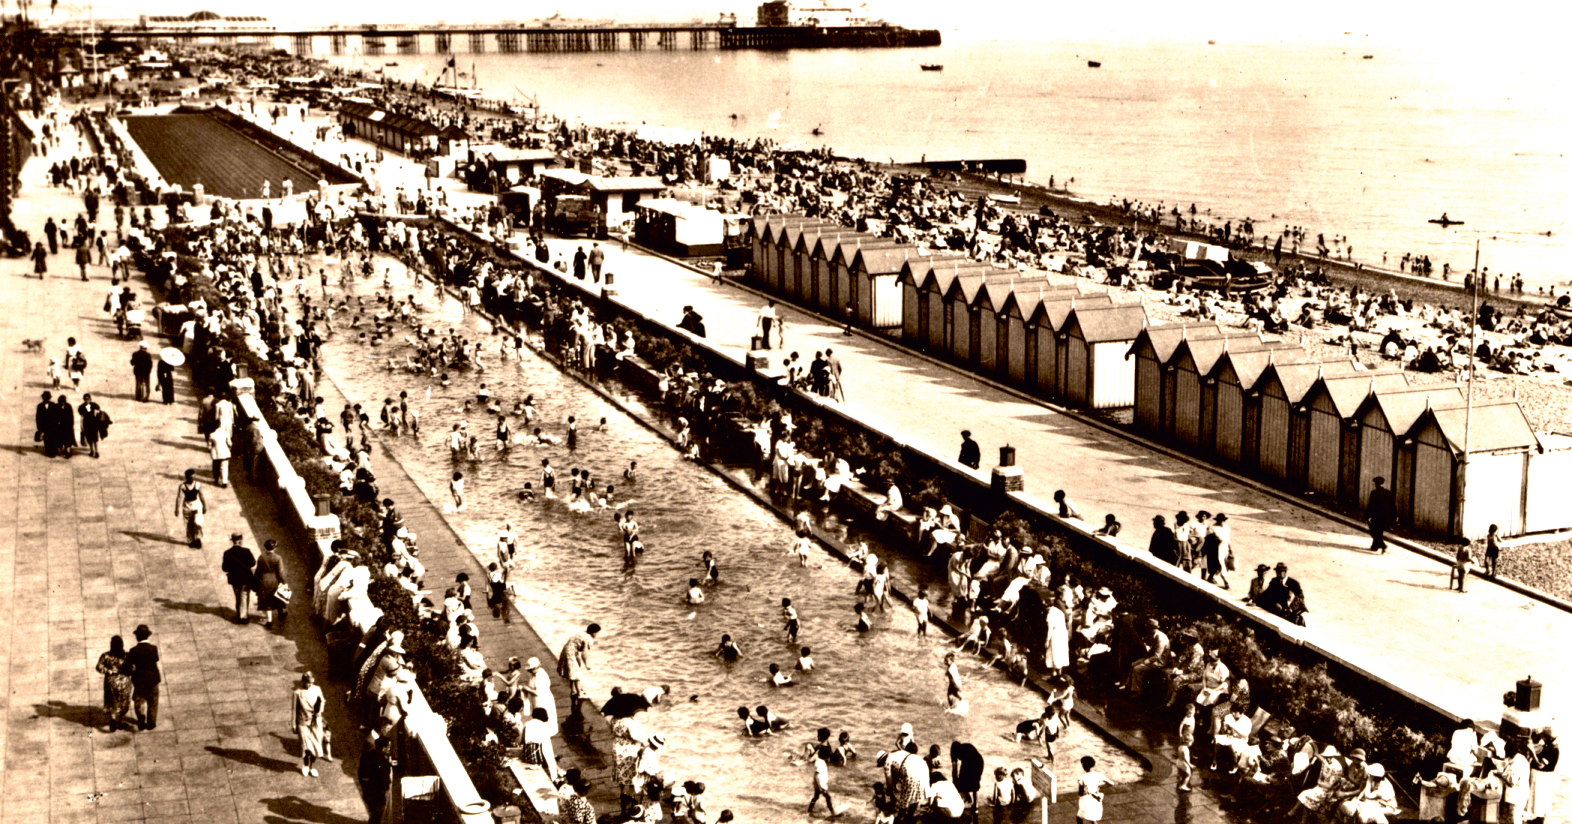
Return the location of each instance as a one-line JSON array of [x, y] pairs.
[[949, 327], [1299, 448], [922, 318], [1001, 347], [975, 338], [1348, 464], [1250, 443], [1209, 415], [1404, 483], [1168, 399], [1031, 377]]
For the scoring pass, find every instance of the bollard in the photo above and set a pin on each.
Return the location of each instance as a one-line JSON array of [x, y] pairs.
[[1007, 477]]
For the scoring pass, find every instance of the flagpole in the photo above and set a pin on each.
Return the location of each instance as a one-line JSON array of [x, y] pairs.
[[1468, 414]]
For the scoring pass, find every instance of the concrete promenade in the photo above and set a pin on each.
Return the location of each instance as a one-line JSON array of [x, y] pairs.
[[91, 548], [1391, 615]]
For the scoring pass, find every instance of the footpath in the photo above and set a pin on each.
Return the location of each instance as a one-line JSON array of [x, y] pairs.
[[90, 548], [1389, 615]]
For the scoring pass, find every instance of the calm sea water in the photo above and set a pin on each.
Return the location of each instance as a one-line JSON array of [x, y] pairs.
[[571, 570], [1311, 136]]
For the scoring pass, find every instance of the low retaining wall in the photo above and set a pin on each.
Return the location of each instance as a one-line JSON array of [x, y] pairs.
[[315, 534]]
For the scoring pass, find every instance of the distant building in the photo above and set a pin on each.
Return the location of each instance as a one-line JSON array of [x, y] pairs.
[[205, 21], [820, 13]]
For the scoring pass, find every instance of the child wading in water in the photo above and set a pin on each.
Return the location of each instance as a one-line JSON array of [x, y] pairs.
[[789, 614], [456, 486]]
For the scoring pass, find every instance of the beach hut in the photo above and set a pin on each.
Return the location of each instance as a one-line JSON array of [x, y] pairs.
[[821, 268], [1223, 391], [1333, 464], [965, 330], [1052, 343], [792, 263], [1384, 417], [1018, 354], [876, 288], [915, 315], [806, 261], [842, 259], [933, 291], [777, 251], [1549, 473], [1277, 431], [1501, 448], [1151, 351], [618, 197], [1191, 360], [1097, 373]]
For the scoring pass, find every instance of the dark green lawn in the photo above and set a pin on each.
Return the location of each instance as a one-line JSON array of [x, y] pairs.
[[191, 148]]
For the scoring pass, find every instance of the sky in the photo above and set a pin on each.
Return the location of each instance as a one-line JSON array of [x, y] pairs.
[[1506, 27]]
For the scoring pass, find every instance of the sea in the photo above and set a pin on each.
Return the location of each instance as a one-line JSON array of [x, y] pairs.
[[1303, 134]]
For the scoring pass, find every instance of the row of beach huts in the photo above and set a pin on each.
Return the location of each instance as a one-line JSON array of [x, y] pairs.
[[1323, 428]]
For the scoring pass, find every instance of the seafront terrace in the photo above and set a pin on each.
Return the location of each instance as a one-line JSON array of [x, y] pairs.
[[1379, 614]]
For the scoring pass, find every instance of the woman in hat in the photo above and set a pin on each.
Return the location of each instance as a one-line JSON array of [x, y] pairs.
[[308, 708], [270, 576], [537, 743], [629, 737], [117, 684], [1375, 802], [538, 687], [190, 505], [576, 808], [1258, 583], [1216, 548]]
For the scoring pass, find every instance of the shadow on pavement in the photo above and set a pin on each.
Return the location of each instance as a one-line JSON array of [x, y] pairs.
[[87, 716], [293, 808], [152, 536], [196, 608], [255, 759]]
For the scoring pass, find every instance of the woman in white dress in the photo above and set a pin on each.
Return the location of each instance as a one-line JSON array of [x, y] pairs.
[[308, 708]]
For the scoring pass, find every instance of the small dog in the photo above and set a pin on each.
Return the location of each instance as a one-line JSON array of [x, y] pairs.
[[33, 344]]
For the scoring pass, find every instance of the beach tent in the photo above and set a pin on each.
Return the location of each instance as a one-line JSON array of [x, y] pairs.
[[1333, 464], [1384, 417], [1097, 374], [1501, 449], [1223, 394], [1151, 350]]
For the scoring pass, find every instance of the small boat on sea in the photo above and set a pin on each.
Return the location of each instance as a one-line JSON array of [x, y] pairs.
[[1369, 57], [932, 67], [817, 131], [1444, 221], [391, 63], [1094, 64]]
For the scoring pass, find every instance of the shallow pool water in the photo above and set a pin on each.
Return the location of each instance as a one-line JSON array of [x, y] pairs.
[[572, 572]]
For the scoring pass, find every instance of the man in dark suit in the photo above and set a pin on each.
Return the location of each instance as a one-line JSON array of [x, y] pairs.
[[147, 672], [238, 564], [971, 453], [1379, 510], [1284, 597], [142, 368]]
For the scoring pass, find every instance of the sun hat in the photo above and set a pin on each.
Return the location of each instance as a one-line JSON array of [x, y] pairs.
[[532, 664], [1375, 771]]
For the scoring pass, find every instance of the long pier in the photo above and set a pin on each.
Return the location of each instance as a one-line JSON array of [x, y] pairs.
[[376, 41]]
